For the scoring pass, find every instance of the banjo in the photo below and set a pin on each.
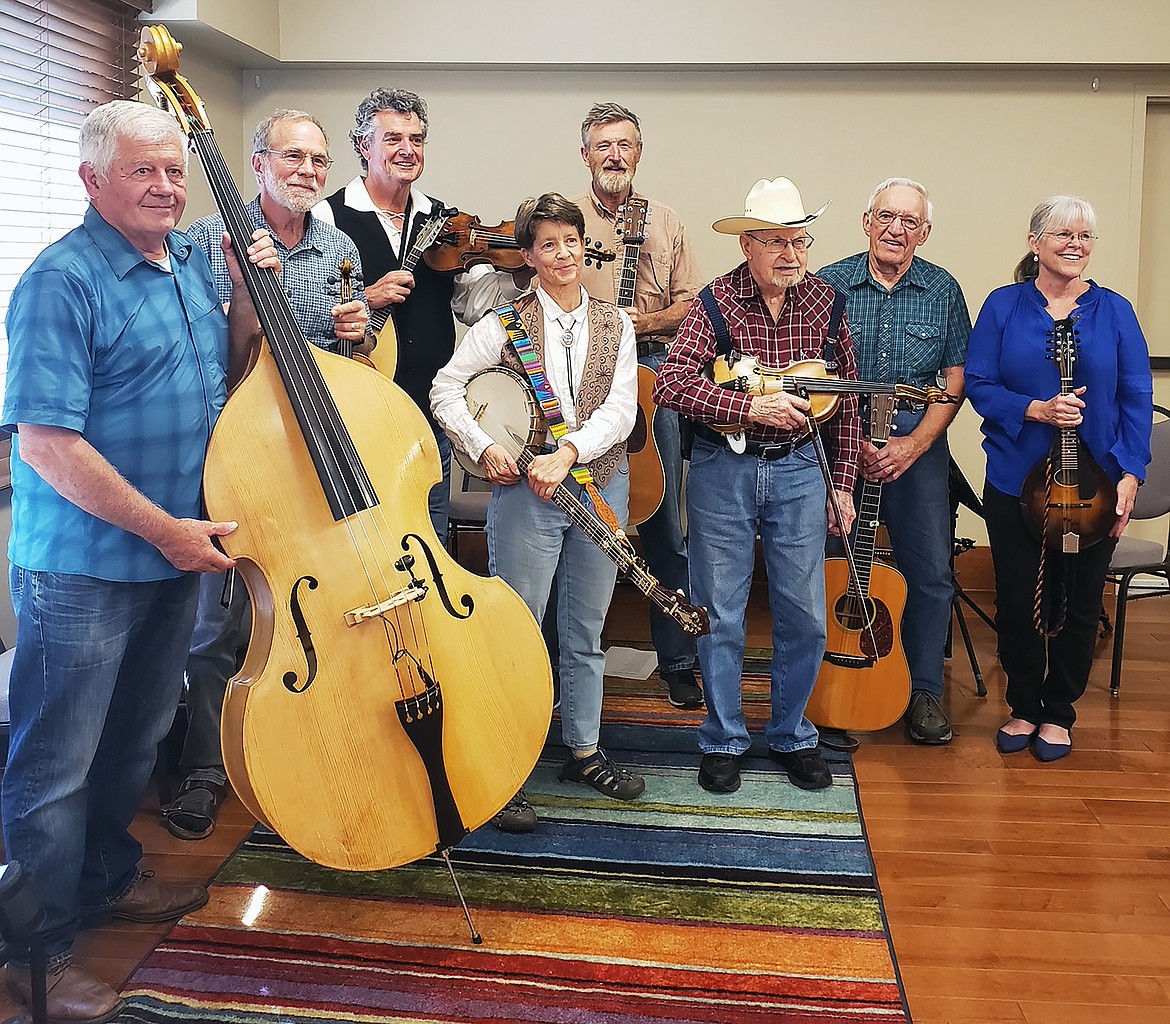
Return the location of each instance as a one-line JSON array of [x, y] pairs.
[[504, 405]]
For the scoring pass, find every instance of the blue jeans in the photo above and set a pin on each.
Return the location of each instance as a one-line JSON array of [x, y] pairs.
[[730, 499], [439, 500], [219, 634], [95, 683], [663, 541], [916, 509], [531, 542]]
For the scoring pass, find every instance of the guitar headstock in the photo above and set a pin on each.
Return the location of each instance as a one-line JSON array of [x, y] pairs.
[[881, 416], [631, 221], [158, 52], [1063, 343]]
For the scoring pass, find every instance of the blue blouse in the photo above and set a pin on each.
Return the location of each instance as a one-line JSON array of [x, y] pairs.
[[1009, 366]]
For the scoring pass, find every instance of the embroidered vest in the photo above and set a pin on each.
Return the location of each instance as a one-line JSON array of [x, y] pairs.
[[605, 335]]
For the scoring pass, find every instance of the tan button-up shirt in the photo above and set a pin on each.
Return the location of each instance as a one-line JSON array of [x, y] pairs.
[[667, 269]]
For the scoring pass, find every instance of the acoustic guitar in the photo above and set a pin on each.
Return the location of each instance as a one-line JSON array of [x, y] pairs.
[[1067, 498], [864, 682], [647, 479]]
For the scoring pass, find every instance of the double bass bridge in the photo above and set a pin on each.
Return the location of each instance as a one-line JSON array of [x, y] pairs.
[[414, 592]]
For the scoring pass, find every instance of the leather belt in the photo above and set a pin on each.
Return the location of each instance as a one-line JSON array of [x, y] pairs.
[[649, 348], [757, 449]]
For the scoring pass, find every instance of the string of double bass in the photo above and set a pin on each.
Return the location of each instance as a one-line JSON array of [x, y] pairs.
[[342, 475]]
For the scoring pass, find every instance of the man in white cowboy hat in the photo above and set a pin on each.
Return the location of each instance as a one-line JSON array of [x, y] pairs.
[[766, 481], [910, 324]]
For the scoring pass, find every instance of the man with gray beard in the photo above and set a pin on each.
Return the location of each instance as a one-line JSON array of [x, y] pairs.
[[290, 158]]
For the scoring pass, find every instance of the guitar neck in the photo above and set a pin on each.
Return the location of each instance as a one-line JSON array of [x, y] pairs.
[[865, 537], [629, 275]]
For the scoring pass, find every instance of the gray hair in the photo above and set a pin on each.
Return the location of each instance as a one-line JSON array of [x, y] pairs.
[[549, 207], [401, 101], [108, 125], [908, 183], [1054, 212], [608, 113], [262, 136], [1059, 212]]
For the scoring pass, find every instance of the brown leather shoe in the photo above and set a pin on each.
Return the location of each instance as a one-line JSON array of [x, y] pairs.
[[150, 901], [74, 996]]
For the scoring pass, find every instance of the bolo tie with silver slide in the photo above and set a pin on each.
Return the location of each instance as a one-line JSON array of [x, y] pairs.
[[568, 336]]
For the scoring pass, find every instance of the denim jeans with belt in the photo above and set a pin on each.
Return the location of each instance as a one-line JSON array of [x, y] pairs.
[[531, 542], [730, 499], [95, 683], [663, 541]]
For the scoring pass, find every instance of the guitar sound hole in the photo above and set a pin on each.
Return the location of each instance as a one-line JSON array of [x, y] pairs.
[[853, 613]]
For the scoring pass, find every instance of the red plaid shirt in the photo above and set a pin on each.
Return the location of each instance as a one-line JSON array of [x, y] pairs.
[[683, 384]]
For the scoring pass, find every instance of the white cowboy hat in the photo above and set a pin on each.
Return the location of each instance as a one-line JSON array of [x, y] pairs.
[[770, 204]]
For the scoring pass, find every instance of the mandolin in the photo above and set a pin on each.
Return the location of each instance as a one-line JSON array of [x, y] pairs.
[[390, 701], [384, 356], [1067, 498], [864, 681], [464, 242], [647, 479]]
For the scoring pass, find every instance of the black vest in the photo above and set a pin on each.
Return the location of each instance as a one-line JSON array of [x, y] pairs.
[[423, 324]]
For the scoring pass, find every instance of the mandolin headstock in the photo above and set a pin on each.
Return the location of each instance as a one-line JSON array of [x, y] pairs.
[[1062, 349]]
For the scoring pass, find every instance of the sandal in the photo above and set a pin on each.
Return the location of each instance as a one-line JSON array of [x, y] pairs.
[[192, 813], [598, 771]]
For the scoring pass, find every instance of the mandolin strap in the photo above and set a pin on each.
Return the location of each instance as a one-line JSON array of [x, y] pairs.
[[551, 406]]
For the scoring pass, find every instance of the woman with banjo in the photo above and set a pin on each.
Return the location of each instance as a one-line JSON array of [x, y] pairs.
[[1058, 368], [580, 355]]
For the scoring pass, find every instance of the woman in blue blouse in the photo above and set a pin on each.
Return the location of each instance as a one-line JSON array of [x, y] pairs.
[[1014, 385]]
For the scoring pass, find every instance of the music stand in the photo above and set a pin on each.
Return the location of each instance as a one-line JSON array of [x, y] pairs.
[[962, 493]]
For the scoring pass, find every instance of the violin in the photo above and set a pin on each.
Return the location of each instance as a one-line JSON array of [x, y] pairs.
[[810, 376], [464, 242], [390, 700]]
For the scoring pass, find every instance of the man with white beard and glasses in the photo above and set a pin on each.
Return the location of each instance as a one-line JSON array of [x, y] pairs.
[[290, 158]]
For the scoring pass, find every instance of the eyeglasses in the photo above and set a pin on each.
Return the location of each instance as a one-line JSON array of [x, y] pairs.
[[780, 244], [295, 157], [1064, 237], [887, 217]]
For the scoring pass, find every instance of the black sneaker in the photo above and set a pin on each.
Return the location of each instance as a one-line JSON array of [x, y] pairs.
[[682, 690], [719, 773], [518, 815], [806, 768], [926, 722], [598, 771]]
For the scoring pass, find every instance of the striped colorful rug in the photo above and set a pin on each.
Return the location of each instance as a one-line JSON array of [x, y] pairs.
[[685, 907]]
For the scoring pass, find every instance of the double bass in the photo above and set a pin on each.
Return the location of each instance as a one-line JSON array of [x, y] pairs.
[[390, 701]]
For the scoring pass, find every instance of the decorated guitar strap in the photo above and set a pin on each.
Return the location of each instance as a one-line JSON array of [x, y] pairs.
[[550, 406]]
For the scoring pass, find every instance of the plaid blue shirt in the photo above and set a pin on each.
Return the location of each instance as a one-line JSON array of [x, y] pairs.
[[106, 343], [906, 335], [306, 269]]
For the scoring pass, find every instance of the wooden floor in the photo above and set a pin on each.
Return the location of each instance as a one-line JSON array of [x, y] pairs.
[[1016, 892]]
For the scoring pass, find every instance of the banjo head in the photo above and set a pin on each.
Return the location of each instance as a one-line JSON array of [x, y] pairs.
[[502, 403]]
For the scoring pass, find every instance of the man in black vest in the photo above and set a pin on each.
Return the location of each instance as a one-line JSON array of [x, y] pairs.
[[382, 212]]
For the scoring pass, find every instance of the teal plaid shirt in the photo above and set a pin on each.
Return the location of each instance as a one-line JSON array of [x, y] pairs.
[[908, 334]]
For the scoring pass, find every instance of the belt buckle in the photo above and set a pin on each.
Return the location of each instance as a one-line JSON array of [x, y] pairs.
[[779, 450]]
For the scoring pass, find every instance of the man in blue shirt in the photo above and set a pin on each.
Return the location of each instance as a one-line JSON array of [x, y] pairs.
[[910, 325], [290, 158], [119, 361]]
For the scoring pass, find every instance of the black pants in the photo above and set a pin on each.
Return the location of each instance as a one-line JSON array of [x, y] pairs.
[[1025, 655]]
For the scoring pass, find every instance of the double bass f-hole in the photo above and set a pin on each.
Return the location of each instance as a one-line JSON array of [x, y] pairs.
[[466, 601], [305, 636]]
